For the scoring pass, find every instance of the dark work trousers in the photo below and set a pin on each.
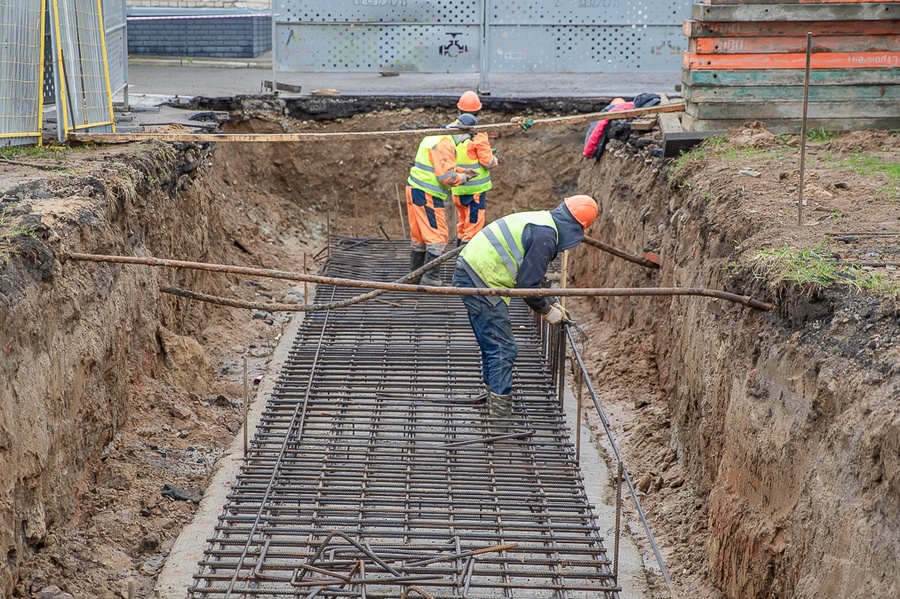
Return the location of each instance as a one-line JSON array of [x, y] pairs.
[[493, 331]]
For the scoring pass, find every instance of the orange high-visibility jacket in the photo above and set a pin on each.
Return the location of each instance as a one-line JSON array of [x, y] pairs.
[[443, 157], [480, 149]]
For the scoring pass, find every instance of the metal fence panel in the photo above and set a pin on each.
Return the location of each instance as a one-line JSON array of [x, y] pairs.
[[584, 49], [116, 43], [21, 57], [513, 36], [586, 36], [416, 48], [84, 87], [374, 35]]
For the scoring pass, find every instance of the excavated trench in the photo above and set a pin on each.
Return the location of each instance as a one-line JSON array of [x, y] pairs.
[[765, 445]]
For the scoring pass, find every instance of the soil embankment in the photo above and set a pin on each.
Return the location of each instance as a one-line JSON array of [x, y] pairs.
[[785, 424], [113, 414]]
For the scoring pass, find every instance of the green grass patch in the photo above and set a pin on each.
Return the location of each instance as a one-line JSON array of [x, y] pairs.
[[8, 233], [815, 268], [821, 134], [48, 152]]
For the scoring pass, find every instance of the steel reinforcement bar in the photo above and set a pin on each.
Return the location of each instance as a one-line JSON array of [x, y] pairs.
[[374, 473]]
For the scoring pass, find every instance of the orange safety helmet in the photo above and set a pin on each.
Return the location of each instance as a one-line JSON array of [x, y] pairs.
[[583, 208], [469, 102]]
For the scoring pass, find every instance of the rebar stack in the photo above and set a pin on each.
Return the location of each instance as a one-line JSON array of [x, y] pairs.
[[374, 472]]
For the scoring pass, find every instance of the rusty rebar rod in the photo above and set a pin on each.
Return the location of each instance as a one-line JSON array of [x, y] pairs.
[[744, 300], [618, 253]]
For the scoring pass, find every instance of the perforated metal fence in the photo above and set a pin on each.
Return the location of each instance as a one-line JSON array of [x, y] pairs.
[[21, 56], [486, 36]]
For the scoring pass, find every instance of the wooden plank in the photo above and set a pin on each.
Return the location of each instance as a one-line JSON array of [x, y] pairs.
[[643, 124], [793, 125], [790, 77], [827, 93], [669, 122], [797, 12], [698, 29], [783, 45], [791, 110], [825, 60]]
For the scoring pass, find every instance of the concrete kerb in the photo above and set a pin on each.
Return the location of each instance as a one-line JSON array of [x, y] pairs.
[[601, 494], [185, 61]]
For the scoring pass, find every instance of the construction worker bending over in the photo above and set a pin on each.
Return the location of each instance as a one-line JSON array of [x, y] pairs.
[[514, 252], [469, 198], [430, 179]]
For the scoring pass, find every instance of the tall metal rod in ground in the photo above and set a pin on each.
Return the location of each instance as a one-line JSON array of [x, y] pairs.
[[305, 283], [246, 408], [579, 383], [400, 210], [618, 522], [800, 200]]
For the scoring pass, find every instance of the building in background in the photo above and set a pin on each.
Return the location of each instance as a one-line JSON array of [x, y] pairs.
[[200, 28]]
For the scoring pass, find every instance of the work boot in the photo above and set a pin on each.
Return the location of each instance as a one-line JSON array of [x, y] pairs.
[[431, 277], [499, 406], [499, 414], [416, 261]]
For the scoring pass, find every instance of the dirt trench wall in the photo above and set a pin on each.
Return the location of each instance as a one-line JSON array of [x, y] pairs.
[[360, 182], [787, 422], [78, 338]]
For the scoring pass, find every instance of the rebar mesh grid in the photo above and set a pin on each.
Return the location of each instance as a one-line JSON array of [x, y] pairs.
[[369, 474]]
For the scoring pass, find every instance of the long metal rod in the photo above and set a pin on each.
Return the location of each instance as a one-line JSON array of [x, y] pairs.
[[596, 243], [800, 200], [347, 282], [358, 135]]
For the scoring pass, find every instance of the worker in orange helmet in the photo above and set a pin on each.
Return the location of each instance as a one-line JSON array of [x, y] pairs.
[[470, 198], [514, 252], [433, 174], [469, 102]]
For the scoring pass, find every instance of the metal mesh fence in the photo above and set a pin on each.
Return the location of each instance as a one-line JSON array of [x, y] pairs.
[[82, 67], [21, 59]]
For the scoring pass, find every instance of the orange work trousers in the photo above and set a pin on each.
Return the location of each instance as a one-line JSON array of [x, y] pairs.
[[469, 215], [427, 221]]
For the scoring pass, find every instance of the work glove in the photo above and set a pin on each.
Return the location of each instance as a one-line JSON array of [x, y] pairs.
[[461, 179], [557, 314], [523, 121]]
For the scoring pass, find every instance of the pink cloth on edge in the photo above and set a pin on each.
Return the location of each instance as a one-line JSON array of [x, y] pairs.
[[591, 146]]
